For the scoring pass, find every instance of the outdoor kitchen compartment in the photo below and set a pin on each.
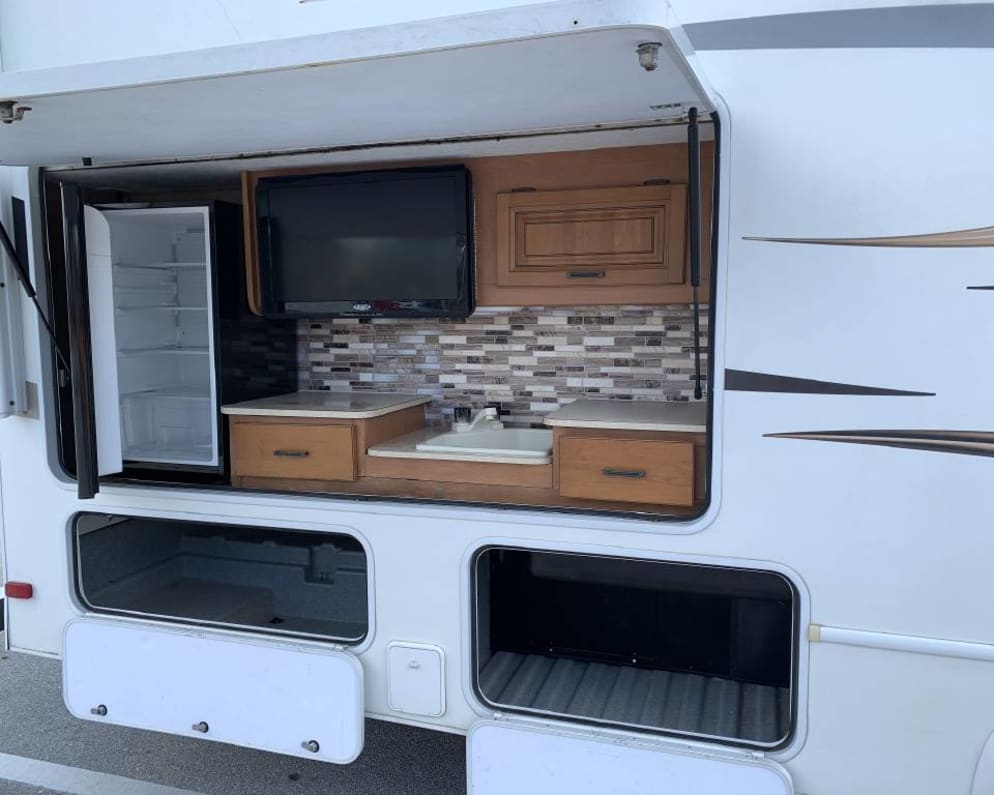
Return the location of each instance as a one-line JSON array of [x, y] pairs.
[[670, 647], [280, 581]]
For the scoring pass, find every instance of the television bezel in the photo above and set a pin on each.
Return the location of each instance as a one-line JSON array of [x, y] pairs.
[[274, 306]]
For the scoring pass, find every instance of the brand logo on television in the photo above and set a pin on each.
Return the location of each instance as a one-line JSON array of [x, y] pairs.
[[362, 307]]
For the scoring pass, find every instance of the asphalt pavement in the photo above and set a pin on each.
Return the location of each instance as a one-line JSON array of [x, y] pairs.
[[44, 749]]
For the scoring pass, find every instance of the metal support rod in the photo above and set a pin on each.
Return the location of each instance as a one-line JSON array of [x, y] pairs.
[[24, 277], [694, 158]]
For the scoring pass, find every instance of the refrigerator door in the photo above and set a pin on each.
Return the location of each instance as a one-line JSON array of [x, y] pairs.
[[151, 301], [103, 342], [164, 318], [81, 375]]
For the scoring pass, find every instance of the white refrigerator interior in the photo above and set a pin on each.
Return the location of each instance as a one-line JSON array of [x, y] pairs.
[[151, 321]]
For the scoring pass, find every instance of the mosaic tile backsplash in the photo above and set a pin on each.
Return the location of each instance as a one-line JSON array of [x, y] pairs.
[[529, 360]]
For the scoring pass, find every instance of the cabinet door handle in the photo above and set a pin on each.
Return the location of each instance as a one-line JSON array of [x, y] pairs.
[[611, 472], [585, 274], [292, 453]]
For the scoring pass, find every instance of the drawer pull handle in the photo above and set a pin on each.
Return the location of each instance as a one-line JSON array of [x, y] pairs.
[[611, 472], [291, 453], [585, 274]]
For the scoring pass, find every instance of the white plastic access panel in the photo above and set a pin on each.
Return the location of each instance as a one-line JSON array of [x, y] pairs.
[[508, 757], [297, 699]]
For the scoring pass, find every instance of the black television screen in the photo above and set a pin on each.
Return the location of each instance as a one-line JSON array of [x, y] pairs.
[[375, 243]]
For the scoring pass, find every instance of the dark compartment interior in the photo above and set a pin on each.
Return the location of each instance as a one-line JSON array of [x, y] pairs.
[[281, 581], [675, 647]]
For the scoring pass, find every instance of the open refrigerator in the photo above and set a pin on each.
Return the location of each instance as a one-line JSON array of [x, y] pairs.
[[171, 337]]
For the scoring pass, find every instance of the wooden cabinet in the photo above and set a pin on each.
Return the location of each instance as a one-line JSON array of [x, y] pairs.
[[288, 453], [622, 211], [614, 237], [292, 449], [540, 217], [650, 468]]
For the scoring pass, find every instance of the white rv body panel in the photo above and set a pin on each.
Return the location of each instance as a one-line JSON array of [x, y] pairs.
[[13, 391], [505, 757], [817, 143], [539, 69]]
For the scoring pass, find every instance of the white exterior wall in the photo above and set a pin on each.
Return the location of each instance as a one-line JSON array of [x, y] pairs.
[[833, 143], [38, 34]]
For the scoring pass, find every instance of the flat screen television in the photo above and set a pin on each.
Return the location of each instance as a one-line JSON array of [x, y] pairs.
[[366, 244]]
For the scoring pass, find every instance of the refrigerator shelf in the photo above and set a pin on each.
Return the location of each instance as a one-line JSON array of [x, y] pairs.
[[162, 349], [160, 307], [137, 289], [159, 265], [168, 393], [153, 453]]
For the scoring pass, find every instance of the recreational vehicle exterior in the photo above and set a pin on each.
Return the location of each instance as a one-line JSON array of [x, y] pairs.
[[594, 378]]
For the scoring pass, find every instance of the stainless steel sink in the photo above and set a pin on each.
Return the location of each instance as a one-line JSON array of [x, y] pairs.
[[506, 442]]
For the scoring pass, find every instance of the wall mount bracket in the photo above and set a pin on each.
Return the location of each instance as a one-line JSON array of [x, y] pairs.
[[10, 111]]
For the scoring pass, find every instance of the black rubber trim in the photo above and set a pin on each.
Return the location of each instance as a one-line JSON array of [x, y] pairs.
[[749, 381], [80, 359]]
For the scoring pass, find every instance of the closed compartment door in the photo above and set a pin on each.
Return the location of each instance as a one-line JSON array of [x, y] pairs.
[[508, 757], [292, 698], [624, 236]]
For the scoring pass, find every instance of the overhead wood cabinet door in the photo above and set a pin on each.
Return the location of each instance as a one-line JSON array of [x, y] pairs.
[[632, 236]]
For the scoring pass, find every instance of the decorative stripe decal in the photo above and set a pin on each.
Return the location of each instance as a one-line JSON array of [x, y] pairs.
[[958, 442], [963, 238], [932, 25], [748, 381]]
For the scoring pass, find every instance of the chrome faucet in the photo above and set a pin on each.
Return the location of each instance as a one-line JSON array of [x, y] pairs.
[[485, 419]]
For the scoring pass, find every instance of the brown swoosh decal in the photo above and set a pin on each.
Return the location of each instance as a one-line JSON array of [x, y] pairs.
[[749, 381], [958, 442], [962, 238]]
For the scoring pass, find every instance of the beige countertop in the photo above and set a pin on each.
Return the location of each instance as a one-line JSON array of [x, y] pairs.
[[319, 403], [632, 415]]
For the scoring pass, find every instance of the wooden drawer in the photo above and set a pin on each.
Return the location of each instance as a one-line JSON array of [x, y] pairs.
[[292, 450], [627, 470]]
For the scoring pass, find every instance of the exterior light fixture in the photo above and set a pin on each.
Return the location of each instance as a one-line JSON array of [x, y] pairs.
[[648, 53]]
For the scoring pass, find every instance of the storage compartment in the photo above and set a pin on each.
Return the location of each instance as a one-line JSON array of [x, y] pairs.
[[280, 581], [627, 470], [617, 237], [289, 449], [672, 647]]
